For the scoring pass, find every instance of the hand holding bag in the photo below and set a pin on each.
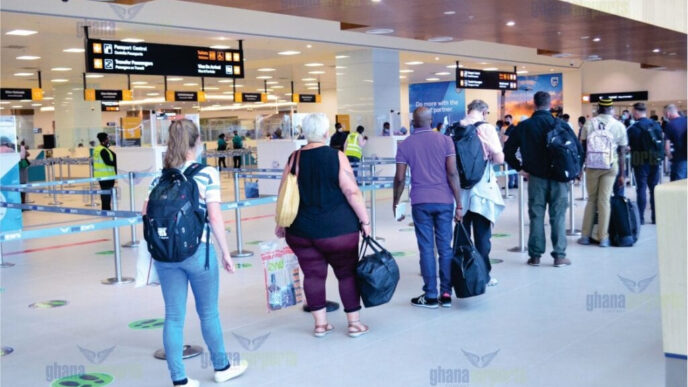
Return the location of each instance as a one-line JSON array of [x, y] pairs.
[[289, 198], [377, 275], [468, 270]]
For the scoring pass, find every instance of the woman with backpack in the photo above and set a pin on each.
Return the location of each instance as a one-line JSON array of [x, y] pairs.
[[200, 269]]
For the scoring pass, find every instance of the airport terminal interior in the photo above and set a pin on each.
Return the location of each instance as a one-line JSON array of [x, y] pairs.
[[81, 303]]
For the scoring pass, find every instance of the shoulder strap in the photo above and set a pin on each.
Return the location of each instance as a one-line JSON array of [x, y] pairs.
[[192, 170], [294, 163]]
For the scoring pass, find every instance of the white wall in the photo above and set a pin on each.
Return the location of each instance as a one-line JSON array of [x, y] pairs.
[[327, 106]]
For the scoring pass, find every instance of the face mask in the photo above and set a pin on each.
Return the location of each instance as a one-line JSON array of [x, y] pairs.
[[199, 152]]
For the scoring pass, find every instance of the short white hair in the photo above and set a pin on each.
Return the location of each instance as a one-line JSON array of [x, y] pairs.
[[315, 127]]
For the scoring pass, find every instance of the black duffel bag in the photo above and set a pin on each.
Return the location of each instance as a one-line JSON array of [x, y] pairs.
[[377, 274], [469, 274]]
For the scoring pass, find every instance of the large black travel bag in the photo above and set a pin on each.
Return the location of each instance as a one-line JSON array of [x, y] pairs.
[[470, 158], [469, 274], [562, 153], [377, 275], [624, 225]]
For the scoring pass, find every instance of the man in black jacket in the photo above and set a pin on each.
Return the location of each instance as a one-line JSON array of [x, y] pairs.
[[338, 138], [530, 136]]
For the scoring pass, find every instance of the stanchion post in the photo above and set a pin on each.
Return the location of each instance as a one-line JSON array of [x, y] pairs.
[[572, 215], [55, 202], [4, 264], [521, 248], [240, 252], [582, 185], [132, 204], [91, 187], [373, 206], [117, 279]]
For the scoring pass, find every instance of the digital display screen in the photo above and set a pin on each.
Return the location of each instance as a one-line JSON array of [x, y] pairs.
[[492, 80], [621, 96], [115, 57]]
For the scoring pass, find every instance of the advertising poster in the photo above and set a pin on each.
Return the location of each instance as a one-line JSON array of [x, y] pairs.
[[447, 103], [519, 103], [10, 219]]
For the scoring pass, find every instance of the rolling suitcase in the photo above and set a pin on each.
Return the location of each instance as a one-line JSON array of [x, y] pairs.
[[624, 225]]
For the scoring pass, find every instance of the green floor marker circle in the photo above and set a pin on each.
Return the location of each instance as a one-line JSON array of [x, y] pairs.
[[500, 235], [105, 252], [151, 323], [48, 304], [254, 243], [411, 224], [496, 260], [6, 351], [409, 229], [242, 265], [85, 380]]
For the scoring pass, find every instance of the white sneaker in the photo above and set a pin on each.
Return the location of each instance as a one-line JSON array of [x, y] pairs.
[[232, 372], [191, 383], [493, 282]]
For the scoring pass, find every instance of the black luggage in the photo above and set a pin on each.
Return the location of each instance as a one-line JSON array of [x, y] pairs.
[[377, 275], [624, 224], [469, 274], [470, 158]]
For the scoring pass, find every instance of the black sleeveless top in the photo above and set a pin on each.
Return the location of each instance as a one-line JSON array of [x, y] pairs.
[[324, 211]]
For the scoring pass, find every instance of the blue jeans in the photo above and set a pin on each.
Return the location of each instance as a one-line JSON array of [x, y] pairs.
[[174, 282], [678, 170], [433, 224], [646, 176]]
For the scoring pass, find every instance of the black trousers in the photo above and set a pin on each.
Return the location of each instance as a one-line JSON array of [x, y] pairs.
[[237, 161], [221, 163], [481, 230], [106, 199]]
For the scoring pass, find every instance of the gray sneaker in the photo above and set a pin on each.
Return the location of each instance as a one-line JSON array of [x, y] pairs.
[[604, 242], [559, 262], [584, 240], [534, 261]]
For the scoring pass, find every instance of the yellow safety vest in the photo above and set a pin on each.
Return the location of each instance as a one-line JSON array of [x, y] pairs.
[[100, 169], [353, 149]]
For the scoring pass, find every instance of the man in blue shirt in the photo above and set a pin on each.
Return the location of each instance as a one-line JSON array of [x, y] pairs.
[[675, 134]]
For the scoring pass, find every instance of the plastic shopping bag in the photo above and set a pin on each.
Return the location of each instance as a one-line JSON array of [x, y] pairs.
[[282, 277], [145, 269]]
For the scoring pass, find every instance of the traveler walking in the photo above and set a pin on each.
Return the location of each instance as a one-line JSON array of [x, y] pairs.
[[436, 188], [221, 147], [605, 140], [530, 137], [104, 165], [326, 229], [338, 138], [201, 268], [675, 134], [237, 143]]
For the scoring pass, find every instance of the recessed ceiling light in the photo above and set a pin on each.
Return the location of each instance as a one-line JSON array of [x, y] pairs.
[[368, 80], [73, 50], [174, 79], [438, 39], [339, 73], [21, 32], [596, 39], [449, 12], [308, 79], [406, 71], [212, 88], [144, 87], [585, 37], [316, 72], [309, 46], [227, 92], [28, 57], [313, 64], [36, 104], [271, 82], [23, 74], [59, 80], [432, 79], [453, 66], [278, 87], [312, 88], [139, 83], [551, 69], [656, 50], [414, 63], [376, 1], [672, 53], [510, 23], [17, 106], [522, 72], [220, 47], [93, 76], [402, 76], [225, 81], [264, 77], [490, 69], [132, 40], [289, 52], [48, 98], [443, 73], [152, 94], [341, 56], [379, 31], [484, 63], [340, 67], [266, 70], [310, 84], [191, 84]]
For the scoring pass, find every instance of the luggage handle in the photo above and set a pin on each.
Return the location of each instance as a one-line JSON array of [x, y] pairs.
[[369, 242], [462, 236]]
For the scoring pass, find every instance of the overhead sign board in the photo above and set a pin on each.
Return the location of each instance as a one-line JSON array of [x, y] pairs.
[[480, 79], [109, 106], [621, 96], [184, 96], [306, 98], [116, 57], [34, 94], [250, 97], [107, 95]]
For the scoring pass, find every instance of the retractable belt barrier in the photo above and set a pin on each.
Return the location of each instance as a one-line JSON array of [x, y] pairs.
[[65, 182]]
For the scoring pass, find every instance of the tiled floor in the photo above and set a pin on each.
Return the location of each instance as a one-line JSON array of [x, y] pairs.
[[541, 326]]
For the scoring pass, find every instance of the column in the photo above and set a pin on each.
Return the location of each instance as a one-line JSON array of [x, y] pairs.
[[76, 120]]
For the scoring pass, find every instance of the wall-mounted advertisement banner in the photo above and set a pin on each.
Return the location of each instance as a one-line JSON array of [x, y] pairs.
[[621, 96], [116, 57], [480, 79], [10, 218], [519, 103], [35, 94], [448, 105]]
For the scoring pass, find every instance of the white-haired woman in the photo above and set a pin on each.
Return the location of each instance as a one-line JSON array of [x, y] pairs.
[[326, 229]]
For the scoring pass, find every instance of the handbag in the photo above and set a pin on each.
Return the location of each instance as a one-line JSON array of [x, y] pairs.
[[282, 279], [377, 275], [468, 270], [289, 198]]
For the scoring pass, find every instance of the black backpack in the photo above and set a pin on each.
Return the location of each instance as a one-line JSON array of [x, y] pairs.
[[653, 143], [470, 158], [624, 223], [562, 153], [174, 222]]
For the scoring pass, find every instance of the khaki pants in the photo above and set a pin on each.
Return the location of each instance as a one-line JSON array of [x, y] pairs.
[[600, 185]]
